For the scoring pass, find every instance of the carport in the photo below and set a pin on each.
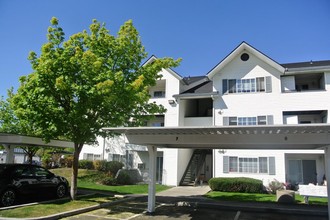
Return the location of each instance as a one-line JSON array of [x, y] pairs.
[[10, 141], [299, 137]]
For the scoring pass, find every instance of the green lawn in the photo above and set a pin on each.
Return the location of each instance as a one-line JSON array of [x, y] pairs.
[[255, 197], [55, 207], [88, 179]]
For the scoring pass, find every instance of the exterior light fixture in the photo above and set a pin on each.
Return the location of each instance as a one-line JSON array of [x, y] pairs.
[[171, 101]]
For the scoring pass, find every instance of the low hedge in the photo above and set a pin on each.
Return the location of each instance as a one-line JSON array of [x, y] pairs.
[[236, 184]]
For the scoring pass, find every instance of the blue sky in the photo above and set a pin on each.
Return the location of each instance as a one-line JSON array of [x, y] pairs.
[[202, 33]]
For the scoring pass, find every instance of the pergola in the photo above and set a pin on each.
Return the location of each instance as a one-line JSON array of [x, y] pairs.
[[302, 136], [10, 141]]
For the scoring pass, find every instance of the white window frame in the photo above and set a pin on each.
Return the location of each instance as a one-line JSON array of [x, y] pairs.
[[249, 165]]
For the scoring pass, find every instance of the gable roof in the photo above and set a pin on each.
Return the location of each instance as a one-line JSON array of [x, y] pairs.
[[153, 58], [238, 50]]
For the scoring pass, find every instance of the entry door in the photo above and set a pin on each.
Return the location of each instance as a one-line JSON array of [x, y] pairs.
[[302, 171], [295, 171], [309, 171]]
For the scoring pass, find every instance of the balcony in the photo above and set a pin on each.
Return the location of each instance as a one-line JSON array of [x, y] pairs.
[[198, 112], [303, 82], [198, 121], [305, 117]]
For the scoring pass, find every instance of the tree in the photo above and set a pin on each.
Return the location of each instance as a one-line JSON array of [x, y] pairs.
[[90, 81], [10, 123]]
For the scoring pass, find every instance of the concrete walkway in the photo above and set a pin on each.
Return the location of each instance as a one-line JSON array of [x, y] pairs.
[[185, 191]]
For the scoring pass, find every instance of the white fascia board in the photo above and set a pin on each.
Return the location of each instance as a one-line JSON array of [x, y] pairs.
[[302, 70], [244, 46], [153, 58]]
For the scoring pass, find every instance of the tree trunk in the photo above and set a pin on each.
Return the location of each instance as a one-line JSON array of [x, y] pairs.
[[75, 164]]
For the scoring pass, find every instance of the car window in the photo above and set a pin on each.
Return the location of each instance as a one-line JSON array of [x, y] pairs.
[[27, 172], [39, 171], [18, 171]]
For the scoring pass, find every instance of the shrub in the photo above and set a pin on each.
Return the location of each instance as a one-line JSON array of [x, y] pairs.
[[123, 178], [100, 165], [85, 164], [275, 185], [109, 181], [66, 161], [238, 184], [113, 166]]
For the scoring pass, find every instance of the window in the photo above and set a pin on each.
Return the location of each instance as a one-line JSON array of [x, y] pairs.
[[240, 121], [232, 120], [262, 120], [259, 84], [159, 94], [263, 165], [116, 157], [233, 164], [157, 124], [90, 157]]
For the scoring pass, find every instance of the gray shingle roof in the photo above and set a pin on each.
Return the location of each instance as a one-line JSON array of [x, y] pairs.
[[325, 63]]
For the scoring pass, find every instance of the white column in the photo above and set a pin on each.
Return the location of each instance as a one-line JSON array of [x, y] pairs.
[[327, 173], [10, 153], [152, 176]]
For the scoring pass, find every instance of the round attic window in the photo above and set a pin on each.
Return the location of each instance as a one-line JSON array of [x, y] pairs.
[[245, 57]]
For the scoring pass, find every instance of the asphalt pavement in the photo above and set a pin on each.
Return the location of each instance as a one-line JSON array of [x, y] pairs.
[[188, 203]]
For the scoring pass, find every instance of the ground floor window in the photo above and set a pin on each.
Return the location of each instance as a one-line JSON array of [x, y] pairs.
[[234, 164]]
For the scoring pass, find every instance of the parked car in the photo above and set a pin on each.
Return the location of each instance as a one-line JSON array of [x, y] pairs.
[[20, 180]]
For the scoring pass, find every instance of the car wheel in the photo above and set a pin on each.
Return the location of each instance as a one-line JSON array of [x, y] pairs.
[[8, 197], [60, 191]]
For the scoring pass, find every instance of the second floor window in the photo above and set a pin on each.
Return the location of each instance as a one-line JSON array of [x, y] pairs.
[[258, 120], [159, 94], [259, 84]]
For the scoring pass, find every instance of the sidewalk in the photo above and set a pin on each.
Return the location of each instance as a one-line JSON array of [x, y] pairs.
[[182, 191]]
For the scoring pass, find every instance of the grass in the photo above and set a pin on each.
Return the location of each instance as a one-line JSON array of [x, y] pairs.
[[255, 197], [89, 179], [55, 207]]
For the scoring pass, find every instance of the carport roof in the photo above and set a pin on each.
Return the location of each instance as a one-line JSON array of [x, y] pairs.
[[302, 136], [22, 140]]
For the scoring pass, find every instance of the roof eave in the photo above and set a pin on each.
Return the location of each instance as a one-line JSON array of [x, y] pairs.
[[196, 95]]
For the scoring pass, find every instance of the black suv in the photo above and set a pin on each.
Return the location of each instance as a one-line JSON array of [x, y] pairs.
[[20, 180]]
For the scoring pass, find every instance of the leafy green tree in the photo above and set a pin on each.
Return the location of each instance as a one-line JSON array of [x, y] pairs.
[[9, 123], [90, 81]]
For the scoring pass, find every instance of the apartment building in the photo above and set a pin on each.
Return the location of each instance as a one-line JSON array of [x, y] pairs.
[[246, 88]]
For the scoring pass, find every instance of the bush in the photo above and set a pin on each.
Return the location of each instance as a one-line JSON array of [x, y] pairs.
[[109, 181], [86, 164], [113, 166], [100, 165], [66, 161], [123, 178], [275, 185], [238, 184]]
